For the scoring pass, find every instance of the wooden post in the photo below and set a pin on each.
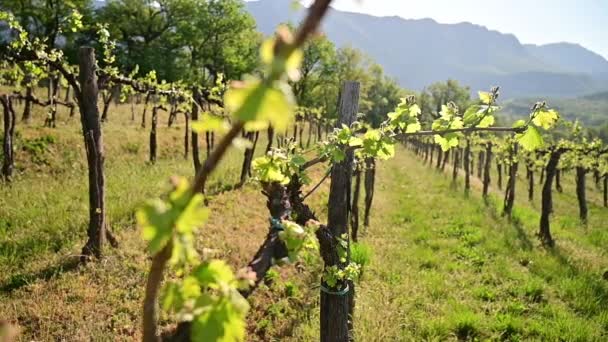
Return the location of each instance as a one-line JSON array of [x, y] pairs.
[[580, 193], [89, 115], [195, 153], [7, 143], [468, 165], [510, 191], [336, 306], [153, 134], [143, 115], [486, 170]]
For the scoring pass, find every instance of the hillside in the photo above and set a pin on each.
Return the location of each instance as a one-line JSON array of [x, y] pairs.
[[428, 51], [443, 266], [591, 110]]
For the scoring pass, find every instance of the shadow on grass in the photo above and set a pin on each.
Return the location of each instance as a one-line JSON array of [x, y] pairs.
[[526, 244], [589, 293], [496, 211], [19, 280]]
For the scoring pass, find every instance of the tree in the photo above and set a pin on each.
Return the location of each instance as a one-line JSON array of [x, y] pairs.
[[49, 20], [220, 37], [318, 65], [437, 94], [383, 95], [145, 34]]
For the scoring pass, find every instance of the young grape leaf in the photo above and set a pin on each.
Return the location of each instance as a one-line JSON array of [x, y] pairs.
[[256, 101], [545, 118], [530, 139]]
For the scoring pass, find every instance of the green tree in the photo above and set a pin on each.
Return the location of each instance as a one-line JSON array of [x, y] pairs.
[[318, 67], [437, 94], [220, 37], [145, 33], [383, 95], [49, 20]]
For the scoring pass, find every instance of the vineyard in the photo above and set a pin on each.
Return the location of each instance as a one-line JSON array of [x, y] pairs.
[[228, 208]]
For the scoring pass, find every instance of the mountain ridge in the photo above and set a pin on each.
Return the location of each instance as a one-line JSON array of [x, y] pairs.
[[474, 54]]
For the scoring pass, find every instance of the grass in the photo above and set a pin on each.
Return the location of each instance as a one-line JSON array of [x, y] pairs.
[[447, 267], [439, 265], [43, 218]]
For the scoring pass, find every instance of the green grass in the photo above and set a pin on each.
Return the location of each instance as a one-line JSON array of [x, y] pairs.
[[438, 265], [448, 267]]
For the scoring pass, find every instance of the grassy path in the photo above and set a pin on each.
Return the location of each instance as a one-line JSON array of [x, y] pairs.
[[447, 267]]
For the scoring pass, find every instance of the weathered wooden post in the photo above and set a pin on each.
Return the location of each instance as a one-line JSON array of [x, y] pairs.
[[581, 196], [7, 143], [194, 142], [337, 302], [510, 191], [468, 165], [486, 169]]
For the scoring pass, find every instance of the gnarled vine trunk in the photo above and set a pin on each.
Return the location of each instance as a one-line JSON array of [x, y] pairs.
[[369, 182], [89, 115], [510, 191], [544, 232]]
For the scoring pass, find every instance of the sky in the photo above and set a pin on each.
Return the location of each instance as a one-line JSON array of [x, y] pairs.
[[533, 21]]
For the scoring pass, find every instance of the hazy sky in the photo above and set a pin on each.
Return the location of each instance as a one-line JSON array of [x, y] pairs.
[[533, 21]]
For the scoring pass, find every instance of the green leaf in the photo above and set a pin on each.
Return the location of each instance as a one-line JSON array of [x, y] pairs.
[[155, 222], [413, 127], [256, 101], [530, 139], [194, 215], [172, 298], [298, 160], [213, 273], [355, 141], [487, 121], [446, 142], [415, 110], [470, 115], [210, 123], [485, 97], [219, 323], [545, 118]]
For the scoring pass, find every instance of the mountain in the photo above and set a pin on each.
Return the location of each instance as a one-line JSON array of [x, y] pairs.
[[418, 52], [570, 57]]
